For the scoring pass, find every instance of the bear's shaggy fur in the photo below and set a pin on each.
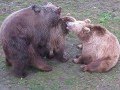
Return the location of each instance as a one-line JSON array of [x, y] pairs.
[[100, 48], [56, 43], [24, 32]]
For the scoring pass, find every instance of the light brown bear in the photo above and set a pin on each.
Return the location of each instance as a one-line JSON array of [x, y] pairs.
[[100, 48]]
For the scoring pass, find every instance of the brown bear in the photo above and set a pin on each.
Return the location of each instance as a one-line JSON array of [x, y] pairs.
[[100, 48], [56, 43], [25, 31]]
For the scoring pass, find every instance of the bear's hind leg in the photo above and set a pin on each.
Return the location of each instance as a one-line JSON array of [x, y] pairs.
[[36, 60], [6, 56], [100, 65], [18, 68], [8, 62], [77, 60], [50, 54], [17, 49]]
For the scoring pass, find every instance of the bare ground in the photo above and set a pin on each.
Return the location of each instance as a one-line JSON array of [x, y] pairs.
[[66, 76]]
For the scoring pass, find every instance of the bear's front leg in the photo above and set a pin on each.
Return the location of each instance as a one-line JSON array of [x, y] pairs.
[[77, 60], [45, 52], [83, 60], [50, 55], [37, 61], [42, 51], [59, 55], [80, 46]]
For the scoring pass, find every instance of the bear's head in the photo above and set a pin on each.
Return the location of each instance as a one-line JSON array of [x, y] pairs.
[[78, 26], [85, 30], [48, 14], [63, 21]]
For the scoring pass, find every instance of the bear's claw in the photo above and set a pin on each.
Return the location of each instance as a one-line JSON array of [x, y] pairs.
[[46, 68], [84, 68]]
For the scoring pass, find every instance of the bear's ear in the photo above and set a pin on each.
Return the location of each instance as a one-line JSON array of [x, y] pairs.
[[36, 8], [99, 29], [68, 14], [58, 10], [68, 19], [49, 3], [87, 21], [86, 30]]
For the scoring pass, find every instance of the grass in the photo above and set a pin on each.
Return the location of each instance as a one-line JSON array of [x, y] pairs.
[[66, 76], [104, 18]]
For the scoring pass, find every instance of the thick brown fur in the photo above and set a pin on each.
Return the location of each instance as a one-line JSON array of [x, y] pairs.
[[56, 43], [24, 32], [100, 49]]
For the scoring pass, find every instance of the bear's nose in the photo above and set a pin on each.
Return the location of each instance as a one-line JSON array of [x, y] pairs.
[[70, 25]]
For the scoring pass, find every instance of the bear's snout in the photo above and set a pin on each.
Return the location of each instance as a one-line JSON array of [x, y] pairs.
[[70, 25]]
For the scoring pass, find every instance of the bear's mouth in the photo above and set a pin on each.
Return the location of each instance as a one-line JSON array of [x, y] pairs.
[[68, 28]]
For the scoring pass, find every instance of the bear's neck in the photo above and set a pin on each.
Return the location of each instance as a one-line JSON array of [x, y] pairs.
[[84, 37]]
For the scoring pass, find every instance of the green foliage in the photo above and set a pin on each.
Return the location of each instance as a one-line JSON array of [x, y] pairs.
[[2, 17], [70, 81], [104, 17]]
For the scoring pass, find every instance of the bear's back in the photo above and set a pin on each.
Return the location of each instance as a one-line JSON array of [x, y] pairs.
[[12, 18], [102, 45], [15, 21]]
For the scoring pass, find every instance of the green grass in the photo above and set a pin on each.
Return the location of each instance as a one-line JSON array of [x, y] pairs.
[[2, 17], [104, 18], [66, 76]]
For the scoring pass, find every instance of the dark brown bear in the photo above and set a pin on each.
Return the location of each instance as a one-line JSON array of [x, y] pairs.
[[24, 32]]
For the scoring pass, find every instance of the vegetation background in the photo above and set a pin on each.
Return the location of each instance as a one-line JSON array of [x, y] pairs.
[[66, 76]]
